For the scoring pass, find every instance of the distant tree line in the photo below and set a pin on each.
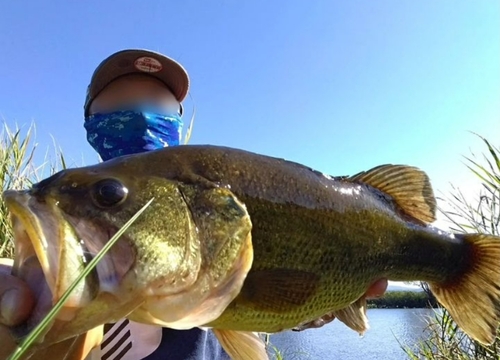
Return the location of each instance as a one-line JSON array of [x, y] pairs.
[[404, 300]]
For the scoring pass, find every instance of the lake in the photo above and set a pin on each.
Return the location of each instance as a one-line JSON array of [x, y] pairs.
[[337, 341]]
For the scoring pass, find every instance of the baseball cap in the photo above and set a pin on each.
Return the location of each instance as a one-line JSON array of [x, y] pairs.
[[141, 61]]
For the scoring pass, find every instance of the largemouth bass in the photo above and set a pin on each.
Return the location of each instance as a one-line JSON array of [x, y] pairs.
[[242, 243]]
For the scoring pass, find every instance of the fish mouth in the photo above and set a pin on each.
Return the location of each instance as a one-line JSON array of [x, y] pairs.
[[49, 256]]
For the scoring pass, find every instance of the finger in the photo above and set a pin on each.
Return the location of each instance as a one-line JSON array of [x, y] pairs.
[[16, 299], [377, 289]]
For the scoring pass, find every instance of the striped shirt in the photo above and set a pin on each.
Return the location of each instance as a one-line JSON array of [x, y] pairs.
[[128, 340]]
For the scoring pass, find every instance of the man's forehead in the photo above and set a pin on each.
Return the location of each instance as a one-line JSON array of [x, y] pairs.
[[134, 87]]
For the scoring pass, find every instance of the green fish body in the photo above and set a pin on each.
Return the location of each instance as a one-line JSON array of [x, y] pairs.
[[244, 243]]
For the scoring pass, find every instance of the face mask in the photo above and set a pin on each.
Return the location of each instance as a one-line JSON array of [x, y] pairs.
[[132, 131]]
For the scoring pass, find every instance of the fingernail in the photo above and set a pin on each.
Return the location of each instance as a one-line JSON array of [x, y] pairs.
[[8, 306]]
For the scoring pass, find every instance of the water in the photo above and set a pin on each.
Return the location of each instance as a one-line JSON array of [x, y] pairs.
[[388, 328]]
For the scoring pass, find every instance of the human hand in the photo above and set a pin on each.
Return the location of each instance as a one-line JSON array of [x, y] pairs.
[[16, 303], [376, 290]]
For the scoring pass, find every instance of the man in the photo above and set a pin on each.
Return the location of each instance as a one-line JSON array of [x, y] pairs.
[[133, 104]]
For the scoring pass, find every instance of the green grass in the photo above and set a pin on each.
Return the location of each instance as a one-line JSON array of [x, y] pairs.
[[16, 172]]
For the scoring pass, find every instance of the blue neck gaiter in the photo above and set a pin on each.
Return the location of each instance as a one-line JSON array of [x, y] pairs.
[[133, 131]]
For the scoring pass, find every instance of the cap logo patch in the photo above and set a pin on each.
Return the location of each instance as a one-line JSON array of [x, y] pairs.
[[147, 64]]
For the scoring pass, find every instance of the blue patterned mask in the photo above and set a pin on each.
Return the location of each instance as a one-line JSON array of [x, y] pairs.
[[132, 131]]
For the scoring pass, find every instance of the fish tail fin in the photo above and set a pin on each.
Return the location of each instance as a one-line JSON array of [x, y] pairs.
[[242, 345], [473, 300]]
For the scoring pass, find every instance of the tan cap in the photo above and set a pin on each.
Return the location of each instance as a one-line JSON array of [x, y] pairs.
[[132, 61]]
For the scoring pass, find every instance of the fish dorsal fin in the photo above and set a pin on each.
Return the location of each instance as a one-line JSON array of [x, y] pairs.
[[408, 186], [242, 345], [354, 316]]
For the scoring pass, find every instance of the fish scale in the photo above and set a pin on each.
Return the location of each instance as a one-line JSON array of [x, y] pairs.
[[243, 243]]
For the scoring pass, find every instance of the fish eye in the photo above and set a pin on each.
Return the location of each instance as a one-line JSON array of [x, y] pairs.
[[108, 193]]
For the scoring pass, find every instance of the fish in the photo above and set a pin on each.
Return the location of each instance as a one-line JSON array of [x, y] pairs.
[[240, 243]]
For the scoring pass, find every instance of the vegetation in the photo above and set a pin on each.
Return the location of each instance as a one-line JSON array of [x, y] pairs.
[[16, 172], [403, 300], [446, 340]]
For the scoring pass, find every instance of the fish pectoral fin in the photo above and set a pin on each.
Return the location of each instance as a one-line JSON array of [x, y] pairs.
[[473, 298], [280, 289], [408, 186], [242, 345], [354, 316], [316, 323]]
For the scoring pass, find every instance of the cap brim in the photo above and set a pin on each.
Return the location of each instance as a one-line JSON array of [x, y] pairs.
[[148, 62]]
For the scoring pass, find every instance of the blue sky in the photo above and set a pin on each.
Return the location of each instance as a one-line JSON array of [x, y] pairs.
[[339, 86]]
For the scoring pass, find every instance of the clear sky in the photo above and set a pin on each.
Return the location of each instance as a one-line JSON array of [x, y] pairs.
[[341, 86]]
